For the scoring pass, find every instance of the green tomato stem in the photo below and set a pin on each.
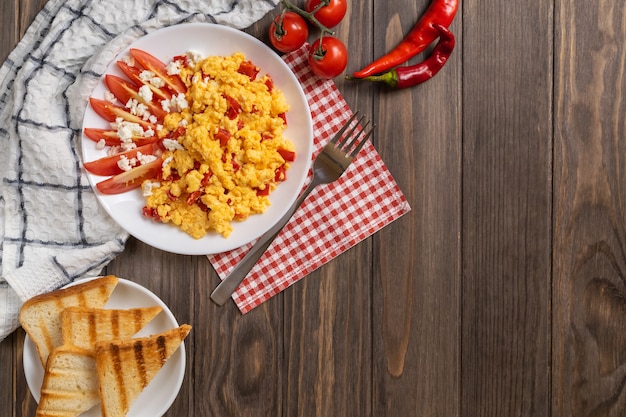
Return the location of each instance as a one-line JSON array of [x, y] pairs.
[[309, 16]]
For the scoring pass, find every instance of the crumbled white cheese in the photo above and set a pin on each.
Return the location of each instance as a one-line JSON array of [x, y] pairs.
[[110, 97], [194, 57], [145, 159], [172, 145], [175, 104], [127, 130], [126, 164], [138, 109], [145, 93], [146, 76], [114, 150], [129, 60], [147, 187], [127, 146], [101, 144], [173, 68], [148, 133], [167, 161]]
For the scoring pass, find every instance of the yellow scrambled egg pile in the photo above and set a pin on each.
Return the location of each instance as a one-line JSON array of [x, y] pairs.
[[228, 151]]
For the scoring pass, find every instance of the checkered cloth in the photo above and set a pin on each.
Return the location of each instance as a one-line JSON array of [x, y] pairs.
[[333, 218], [52, 229]]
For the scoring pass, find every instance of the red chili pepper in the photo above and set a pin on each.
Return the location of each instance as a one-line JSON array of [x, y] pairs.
[[440, 12], [403, 77]]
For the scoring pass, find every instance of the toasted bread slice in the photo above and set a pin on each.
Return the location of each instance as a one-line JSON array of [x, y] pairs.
[[70, 383], [84, 326], [41, 315], [126, 367]]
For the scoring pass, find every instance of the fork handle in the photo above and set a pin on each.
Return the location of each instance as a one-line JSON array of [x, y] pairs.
[[228, 286]]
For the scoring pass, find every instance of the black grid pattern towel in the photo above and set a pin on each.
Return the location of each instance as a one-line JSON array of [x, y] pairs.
[[51, 226]]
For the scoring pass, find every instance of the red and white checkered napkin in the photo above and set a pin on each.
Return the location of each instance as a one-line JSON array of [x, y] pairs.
[[333, 218]]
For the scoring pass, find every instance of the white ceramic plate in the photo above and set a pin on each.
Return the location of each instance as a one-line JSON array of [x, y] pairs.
[[159, 395], [210, 39]]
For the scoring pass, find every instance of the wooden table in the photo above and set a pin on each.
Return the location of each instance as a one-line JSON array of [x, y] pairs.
[[503, 291]]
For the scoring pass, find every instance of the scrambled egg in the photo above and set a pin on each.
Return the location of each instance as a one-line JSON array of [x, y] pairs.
[[227, 152]]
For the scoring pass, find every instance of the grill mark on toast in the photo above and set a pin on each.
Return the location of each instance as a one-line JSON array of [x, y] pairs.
[[119, 376], [141, 362], [82, 299], [162, 348], [91, 324], [115, 324], [138, 319]]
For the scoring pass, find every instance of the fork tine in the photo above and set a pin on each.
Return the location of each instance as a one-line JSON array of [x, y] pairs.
[[354, 140], [341, 144], [356, 150], [339, 134]]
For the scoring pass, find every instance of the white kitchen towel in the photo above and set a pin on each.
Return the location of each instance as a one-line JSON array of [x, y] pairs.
[[52, 228]]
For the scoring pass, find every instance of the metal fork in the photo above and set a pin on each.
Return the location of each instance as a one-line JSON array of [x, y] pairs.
[[328, 167]]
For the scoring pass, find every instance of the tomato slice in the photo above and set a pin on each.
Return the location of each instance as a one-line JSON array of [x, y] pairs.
[[129, 180], [110, 112], [125, 91], [153, 64], [112, 139], [108, 165], [134, 74]]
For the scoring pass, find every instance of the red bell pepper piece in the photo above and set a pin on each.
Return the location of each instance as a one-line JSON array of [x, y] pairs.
[[234, 108], [288, 156], [249, 69]]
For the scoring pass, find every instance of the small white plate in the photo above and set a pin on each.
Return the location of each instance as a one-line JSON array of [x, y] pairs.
[[209, 39], [159, 395]]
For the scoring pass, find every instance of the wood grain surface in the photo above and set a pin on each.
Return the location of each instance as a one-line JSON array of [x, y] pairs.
[[503, 291]]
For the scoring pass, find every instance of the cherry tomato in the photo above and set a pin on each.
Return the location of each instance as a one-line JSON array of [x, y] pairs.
[[329, 15], [329, 58], [288, 32]]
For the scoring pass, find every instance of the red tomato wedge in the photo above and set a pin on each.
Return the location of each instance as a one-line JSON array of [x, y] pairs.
[[132, 179], [125, 91], [153, 64], [134, 74], [110, 112], [111, 139], [109, 164]]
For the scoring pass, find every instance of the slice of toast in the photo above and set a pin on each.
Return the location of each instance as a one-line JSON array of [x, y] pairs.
[[41, 315], [126, 367], [70, 383], [84, 326]]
